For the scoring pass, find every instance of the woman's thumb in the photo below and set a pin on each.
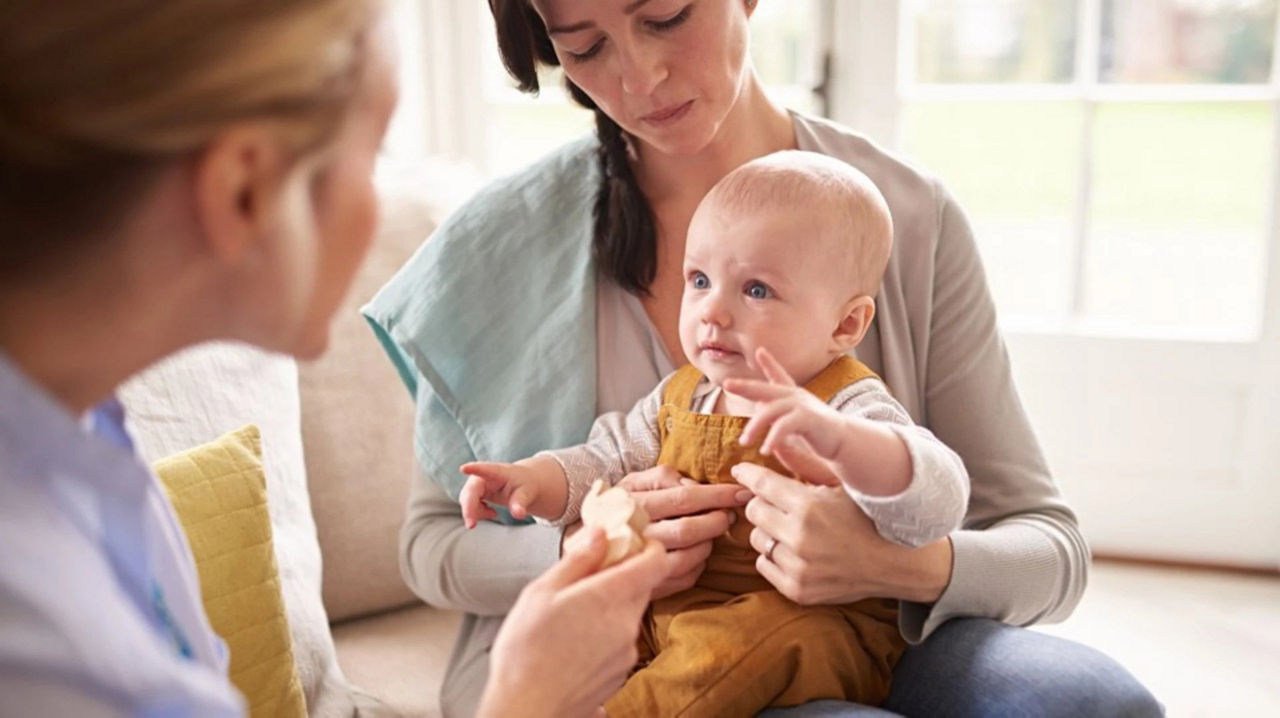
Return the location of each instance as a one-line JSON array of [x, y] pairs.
[[583, 555]]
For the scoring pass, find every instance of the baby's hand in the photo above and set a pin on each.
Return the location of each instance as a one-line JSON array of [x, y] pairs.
[[488, 482], [788, 416]]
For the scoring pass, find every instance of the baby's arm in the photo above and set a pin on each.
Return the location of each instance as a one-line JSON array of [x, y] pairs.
[[552, 484], [529, 487], [619, 444], [932, 501], [908, 482]]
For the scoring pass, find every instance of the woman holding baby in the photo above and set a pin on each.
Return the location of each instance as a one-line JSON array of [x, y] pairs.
[[553, 297]]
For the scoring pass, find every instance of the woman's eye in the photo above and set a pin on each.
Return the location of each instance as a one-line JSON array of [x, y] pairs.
[[698, 280], [671, 21], [587, 54], [759, 290]]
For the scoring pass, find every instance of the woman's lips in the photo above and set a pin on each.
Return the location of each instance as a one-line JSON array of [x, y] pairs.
[[668, 115]]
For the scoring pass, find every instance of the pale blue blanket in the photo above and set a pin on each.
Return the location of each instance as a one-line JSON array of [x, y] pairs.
[[491, 323]]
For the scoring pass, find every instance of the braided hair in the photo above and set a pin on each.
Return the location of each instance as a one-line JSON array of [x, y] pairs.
[[624, 241]]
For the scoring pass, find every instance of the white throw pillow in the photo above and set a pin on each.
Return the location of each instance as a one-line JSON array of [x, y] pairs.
[[204, 392]]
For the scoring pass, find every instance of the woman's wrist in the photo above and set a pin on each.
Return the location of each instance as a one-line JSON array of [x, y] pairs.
[[502, 698], [921, 575]]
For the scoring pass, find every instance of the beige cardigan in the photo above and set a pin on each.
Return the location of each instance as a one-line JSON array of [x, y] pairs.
[[1020, 557]]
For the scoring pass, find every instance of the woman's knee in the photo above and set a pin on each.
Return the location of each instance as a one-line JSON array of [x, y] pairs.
[[982, 667]]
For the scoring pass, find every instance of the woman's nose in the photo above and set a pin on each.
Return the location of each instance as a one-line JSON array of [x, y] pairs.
[[641, 69]]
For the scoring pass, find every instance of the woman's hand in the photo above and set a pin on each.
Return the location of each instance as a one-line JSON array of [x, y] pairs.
[[686, 517], [827, 551], [570, 640]]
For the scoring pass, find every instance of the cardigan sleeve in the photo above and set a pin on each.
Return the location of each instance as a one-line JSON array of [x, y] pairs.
[[1019, 557]]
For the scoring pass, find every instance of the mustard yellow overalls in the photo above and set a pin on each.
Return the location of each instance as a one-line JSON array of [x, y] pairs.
[[732, 645]]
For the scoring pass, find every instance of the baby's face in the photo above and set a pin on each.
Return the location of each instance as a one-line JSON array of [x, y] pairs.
[[761, 279]]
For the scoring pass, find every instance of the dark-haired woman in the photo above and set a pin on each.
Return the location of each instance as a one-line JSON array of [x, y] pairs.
[[553, 296]]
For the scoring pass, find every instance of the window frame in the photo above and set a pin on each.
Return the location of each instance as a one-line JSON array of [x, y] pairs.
[[1221, 508], [873, 82]]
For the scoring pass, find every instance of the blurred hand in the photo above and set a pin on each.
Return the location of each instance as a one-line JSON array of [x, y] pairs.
[[570, 640]]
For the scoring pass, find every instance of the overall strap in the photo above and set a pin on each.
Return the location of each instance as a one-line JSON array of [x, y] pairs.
[[679, 391], [840, 373]]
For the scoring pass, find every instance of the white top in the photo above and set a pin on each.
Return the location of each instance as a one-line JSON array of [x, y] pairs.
[[931, 506], [100, 611]]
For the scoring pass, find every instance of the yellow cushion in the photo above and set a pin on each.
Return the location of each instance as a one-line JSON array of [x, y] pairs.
[[220, 494]]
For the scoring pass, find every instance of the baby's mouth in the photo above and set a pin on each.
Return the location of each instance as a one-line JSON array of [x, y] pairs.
[[718, 351]]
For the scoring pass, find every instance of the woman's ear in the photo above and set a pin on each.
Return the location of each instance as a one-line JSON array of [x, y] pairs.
[[238, 181], [857, 316]]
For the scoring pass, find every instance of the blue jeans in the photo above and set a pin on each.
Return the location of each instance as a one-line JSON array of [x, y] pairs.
[[981, 667]]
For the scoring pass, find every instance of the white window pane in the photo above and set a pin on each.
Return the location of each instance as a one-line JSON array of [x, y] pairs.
[[994, 41], [784, 50], [1014, 167], [1178, 214], [1187, 41]]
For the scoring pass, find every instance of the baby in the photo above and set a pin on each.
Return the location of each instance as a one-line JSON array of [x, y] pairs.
[[783, 258]]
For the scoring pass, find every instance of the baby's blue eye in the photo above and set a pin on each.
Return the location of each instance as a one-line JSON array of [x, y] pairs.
[[699, 280], [759, 290]]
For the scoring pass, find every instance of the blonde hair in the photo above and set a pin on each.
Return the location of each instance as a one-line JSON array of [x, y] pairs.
[[846, 200], [96, 96]]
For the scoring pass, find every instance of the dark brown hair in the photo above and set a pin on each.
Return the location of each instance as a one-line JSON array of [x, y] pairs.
[[624, 241]]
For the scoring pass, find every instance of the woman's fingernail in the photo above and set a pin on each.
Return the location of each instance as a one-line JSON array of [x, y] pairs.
[[733, 518], [688, 482], [742, 497]]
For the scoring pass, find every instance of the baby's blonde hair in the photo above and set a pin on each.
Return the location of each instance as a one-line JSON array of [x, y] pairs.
[[858, 216], [97, 95]]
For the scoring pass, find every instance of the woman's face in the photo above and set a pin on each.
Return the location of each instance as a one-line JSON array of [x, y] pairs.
[[667, 71], [337, 216]]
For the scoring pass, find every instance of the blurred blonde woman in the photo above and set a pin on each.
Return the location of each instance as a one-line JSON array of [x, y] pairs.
[[171, 172]]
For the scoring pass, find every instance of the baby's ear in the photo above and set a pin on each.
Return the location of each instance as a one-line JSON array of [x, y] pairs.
[[856, 320]]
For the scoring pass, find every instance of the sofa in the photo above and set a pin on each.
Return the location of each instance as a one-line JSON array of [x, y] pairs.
[[338, 459]]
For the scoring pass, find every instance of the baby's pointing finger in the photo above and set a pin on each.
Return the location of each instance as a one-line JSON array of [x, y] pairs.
[[772, 369], [760, 422]]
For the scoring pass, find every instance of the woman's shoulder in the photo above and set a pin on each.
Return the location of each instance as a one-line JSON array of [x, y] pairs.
[[903, 183]]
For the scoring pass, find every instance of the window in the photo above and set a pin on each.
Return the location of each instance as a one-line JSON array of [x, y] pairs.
[[1115, 156]]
